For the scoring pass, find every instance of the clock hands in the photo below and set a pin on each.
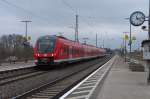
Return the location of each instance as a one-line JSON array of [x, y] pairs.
[[137, 18]]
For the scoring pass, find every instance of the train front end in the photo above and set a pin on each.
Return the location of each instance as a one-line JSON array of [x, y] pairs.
[[44, 51]]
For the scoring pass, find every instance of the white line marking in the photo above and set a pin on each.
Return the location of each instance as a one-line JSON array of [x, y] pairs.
[[70, 91], [77, 97], [86, 84], [79, 88], [106, 71], [83, 91]]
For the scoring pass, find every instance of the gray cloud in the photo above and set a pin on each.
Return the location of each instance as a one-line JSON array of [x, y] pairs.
[[53, 16]]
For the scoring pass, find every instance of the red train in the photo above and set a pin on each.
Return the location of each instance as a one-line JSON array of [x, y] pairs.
[[51, 50]]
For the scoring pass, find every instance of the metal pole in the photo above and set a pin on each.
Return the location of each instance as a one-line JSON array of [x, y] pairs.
[[149, 22], [103, 43], [148, 62], [96, 39], [123, 47], [130, 40], [125, 50], [26, 30], [26, 25], [130, 44], [75, 35], [76, 30]]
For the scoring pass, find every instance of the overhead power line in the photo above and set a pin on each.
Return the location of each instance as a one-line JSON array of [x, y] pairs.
[[69, 6], [24, 10], [75, 11]]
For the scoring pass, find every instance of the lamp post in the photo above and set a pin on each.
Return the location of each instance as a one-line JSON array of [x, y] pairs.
[[96, 40], [125, 41], [130, 40], [26, 26], [76, 29], [26, 39], [149, 22], [148, 62], [125, 48]]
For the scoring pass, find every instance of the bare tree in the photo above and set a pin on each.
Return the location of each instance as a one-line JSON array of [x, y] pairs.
[[15, 45]]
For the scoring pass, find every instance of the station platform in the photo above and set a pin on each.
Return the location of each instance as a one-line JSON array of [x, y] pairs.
[[17, 65], [122, 83]]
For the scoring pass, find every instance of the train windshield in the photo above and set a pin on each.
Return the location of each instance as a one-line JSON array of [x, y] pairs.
[[46, 45]]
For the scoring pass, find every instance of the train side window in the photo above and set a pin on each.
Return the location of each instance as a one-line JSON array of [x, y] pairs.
[[65, 50], [61, 52], [72, 50], [76, 51]]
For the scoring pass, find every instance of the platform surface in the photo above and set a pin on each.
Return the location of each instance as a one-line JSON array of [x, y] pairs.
[[17, 65], [122, 83]]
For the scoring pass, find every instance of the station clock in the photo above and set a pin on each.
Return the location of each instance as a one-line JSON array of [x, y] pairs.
[[137, 18]]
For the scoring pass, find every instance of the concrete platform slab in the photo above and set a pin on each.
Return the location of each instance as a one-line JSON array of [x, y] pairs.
[[17, 65], [121, 83]]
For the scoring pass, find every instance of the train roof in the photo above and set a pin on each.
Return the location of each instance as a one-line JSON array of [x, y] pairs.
[[53, 36], [47, 37], [62, 37]]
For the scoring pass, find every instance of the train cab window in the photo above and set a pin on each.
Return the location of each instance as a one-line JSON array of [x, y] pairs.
[[46, 45]]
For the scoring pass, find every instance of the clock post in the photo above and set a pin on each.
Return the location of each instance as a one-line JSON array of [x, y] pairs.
[[149, 22], [137, 18], [146, 45]]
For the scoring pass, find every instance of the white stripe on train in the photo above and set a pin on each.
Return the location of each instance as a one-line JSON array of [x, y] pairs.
[[73, 59]]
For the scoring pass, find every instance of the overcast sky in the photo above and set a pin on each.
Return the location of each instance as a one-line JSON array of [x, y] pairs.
[[104, 17]]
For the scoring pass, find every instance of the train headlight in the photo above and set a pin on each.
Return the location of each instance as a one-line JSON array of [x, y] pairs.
[[35, 61], [52, 54]]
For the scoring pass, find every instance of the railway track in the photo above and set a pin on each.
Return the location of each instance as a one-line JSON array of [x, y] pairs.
[[11, 79], [16, 82], [59, 86], [12, 82], [14, 72]]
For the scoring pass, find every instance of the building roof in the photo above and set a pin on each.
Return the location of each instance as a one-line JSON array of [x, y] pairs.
[[145, 42]]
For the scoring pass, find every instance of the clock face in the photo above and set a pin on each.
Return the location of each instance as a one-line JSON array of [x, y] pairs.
[[137, 18]]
